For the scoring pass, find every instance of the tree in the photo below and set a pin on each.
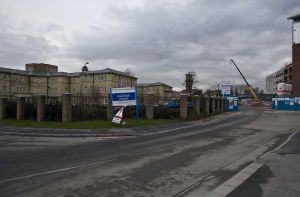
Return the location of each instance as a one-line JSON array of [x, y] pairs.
[[190, 81], [129, 72]]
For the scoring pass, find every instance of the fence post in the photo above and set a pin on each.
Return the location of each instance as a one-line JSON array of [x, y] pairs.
[[41, 107], [67, 107], [196, 105], [218, 104], [3, 106], [221, 104], [206, 105], [213, 104], [20, 107], [183, 106], [149, 106], [224, 104]]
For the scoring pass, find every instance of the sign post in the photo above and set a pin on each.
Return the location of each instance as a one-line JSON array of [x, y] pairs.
[[122, 97]]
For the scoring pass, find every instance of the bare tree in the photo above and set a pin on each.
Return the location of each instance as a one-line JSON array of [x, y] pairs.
[[190, 81], [129, 72]]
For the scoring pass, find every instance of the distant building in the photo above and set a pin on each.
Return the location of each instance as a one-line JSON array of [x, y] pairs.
[[271, 84], [46, 80], [161, 91], [283, 75]]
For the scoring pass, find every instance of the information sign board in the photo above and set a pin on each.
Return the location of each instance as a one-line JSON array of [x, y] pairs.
[[123, 96]]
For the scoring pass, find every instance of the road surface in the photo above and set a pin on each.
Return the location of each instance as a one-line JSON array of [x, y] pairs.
[[185, 162]]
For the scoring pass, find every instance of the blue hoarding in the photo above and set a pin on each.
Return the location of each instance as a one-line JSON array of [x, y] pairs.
[[286, 103]]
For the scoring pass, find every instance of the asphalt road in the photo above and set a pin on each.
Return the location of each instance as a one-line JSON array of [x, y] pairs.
[[190, 161]]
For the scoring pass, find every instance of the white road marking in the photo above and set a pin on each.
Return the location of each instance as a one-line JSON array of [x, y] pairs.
[[280, 146], [193, 125], [54, 171]]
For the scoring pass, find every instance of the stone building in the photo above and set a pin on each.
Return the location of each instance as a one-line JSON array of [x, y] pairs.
[[46, 80], [161, 91]]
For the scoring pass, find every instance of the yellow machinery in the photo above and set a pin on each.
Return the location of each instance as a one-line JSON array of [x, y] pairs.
[[249, 86]]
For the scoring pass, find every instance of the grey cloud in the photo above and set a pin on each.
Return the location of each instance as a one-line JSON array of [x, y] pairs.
[[161, 42]]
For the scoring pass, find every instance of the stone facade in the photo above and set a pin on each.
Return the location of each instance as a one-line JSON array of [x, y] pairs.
[[161, 92], [15, 82]]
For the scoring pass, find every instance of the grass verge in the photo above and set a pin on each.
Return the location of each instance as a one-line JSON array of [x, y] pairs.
[[92, 124]]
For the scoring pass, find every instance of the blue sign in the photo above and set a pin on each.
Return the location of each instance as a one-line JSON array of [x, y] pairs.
[[232, 103], [123, 96]]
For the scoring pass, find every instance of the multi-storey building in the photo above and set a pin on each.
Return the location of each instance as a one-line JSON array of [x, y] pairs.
[[283, 75], [161, 91], [271, 84], [45, 79]]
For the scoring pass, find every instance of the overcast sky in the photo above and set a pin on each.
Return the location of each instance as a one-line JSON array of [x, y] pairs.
[[158, 40]]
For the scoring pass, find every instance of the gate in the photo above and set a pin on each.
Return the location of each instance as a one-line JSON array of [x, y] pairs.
[[54, 110]]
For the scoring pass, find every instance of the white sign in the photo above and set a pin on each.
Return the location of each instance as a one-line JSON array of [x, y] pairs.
[[226, 87], [118, 117], [123, 96]]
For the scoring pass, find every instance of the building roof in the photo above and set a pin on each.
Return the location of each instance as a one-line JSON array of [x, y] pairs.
[[153, 84], [13, 71], [109, 70], [75, 74], [295, 17]]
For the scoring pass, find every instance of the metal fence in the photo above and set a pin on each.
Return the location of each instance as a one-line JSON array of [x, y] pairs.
[[54, 109], [89, 108], [11, 108], [30, 111]]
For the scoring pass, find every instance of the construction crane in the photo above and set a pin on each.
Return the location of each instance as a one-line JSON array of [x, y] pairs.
[[249, 86]]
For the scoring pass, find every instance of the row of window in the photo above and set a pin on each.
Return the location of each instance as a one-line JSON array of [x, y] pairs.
[[19, 89]]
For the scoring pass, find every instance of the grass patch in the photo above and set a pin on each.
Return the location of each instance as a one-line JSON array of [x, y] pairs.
[[92, 124]]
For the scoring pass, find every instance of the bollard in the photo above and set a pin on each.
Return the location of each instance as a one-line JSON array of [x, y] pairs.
[[206, 105], [20, 108], [149, 106], [196, 105], [67, 107], [3, 106], [183, 106], [41, 108]]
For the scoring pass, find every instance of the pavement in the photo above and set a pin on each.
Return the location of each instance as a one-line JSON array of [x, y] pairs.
[[191, 160], [278, 177]]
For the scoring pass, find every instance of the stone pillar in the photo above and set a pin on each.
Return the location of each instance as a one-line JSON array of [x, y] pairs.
[[41, 108], [109, 108], [183, 106], [218, 104], [213, 104], [149, 106], [20, 108], [3, 105], [206, 105], [222, 104], [67, 107], [196, 105]]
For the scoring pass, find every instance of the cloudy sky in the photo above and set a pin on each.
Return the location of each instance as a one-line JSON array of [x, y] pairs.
[[159, 40]]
